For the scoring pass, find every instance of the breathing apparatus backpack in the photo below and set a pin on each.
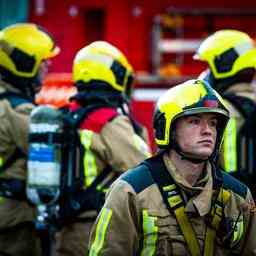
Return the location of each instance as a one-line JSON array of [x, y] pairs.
[[55, 167], [47, 166], [246, 139]]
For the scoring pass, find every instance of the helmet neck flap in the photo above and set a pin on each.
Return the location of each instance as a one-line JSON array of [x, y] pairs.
[[98, 92], [26, 85]]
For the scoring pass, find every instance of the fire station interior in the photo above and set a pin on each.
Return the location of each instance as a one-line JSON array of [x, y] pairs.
[[158, 37]]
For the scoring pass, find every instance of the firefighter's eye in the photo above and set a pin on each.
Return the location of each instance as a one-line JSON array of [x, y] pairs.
[[213, 122]]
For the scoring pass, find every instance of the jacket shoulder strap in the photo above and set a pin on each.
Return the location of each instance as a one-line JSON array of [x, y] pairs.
[[92, 117], [139, 177], [95, 120], [233, 184]]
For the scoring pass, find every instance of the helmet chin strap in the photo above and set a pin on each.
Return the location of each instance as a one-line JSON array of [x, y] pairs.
[[187, 156]]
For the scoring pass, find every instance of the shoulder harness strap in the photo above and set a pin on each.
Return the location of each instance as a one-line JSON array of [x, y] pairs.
[[74, 120], [233, 184], [175, 203], [81, 114], [216, 215], [15, 155]]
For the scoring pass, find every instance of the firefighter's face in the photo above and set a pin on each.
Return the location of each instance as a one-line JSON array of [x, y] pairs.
[[196, 134]]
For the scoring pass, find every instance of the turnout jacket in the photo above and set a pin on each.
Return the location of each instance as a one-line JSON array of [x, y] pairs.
[[14, 127], [136, 221], [110, 144]]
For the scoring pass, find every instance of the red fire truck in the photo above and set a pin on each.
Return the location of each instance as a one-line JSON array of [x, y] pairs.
[[158, 37]]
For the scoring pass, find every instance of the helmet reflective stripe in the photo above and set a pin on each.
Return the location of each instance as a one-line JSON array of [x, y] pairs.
[[227, 52], [23, 62], [101, 228], [243, 47], [150, 233], [90, 167], [103, 59], [23, 47], [225, 61], [107, 61], [229, 146], [189, 98]]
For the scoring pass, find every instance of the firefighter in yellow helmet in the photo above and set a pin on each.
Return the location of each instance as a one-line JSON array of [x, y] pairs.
[[177, 202], [111, 140], [24, 49], [231, 56]]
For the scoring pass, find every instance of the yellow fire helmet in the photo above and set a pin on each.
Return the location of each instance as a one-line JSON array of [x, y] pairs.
[[23, 47], [189, 98], [101, 61], [227, 52]]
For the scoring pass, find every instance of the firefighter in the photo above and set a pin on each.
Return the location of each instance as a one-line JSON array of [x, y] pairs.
[[111, 140], [177, 202], [231, 56], [24, 51]]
